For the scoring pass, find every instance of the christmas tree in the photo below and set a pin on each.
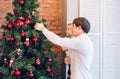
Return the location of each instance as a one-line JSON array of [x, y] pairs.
[[25, 51]]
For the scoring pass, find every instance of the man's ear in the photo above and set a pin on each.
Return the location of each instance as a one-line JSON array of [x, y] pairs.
[[79, 27]]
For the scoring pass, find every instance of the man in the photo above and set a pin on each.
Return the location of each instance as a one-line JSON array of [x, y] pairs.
[[81, 47]]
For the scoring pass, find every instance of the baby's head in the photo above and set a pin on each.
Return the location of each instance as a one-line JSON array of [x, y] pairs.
[[69, 29]]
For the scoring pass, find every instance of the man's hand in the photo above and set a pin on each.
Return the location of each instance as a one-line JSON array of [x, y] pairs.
[[39, 26], [64, 48]]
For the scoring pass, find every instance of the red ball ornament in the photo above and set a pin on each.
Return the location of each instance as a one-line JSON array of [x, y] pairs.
[[10, 25], [38, 62], [27, 42], [11, 38], [3, 38], [49, 59], [45, 51], [17, 43], [28, 17], [19, 22], [27, 21], [22, 34], [31, 75], [48, 69], [21, 2], [17, 73], [35, 39]]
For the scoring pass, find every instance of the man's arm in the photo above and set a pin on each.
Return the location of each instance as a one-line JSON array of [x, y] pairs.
[[73, 43]]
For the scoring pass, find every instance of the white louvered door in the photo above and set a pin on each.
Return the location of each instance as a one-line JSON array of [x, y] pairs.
[[111, 63], [104, 16]]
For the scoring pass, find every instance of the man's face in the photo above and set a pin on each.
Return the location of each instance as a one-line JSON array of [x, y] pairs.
[[76, 30]]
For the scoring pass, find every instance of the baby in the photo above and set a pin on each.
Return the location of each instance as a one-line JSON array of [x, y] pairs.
[[67, 51]]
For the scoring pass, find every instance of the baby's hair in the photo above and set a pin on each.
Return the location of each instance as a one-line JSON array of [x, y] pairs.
[[70, 24]]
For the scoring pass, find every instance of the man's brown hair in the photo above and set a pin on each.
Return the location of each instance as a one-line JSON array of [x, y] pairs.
[[83, 22]]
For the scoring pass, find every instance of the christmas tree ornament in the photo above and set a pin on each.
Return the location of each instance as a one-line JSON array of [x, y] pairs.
[[22, 34], [28, 17], [5, 61], [17, 43], [17, 72], [45, 51], [19, 22], [48, 69], [4, 38], [38, 62], [11, 38], [21, 2], [18, 51], [27, 21], [10, 64], [31, 75], [33, 14], [49, 59], [10, 25], [27, 42], [35, 39]]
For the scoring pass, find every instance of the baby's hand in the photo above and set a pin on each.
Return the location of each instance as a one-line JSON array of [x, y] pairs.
[[67, 60]]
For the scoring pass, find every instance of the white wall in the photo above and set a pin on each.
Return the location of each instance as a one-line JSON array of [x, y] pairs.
[[72, 10]]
